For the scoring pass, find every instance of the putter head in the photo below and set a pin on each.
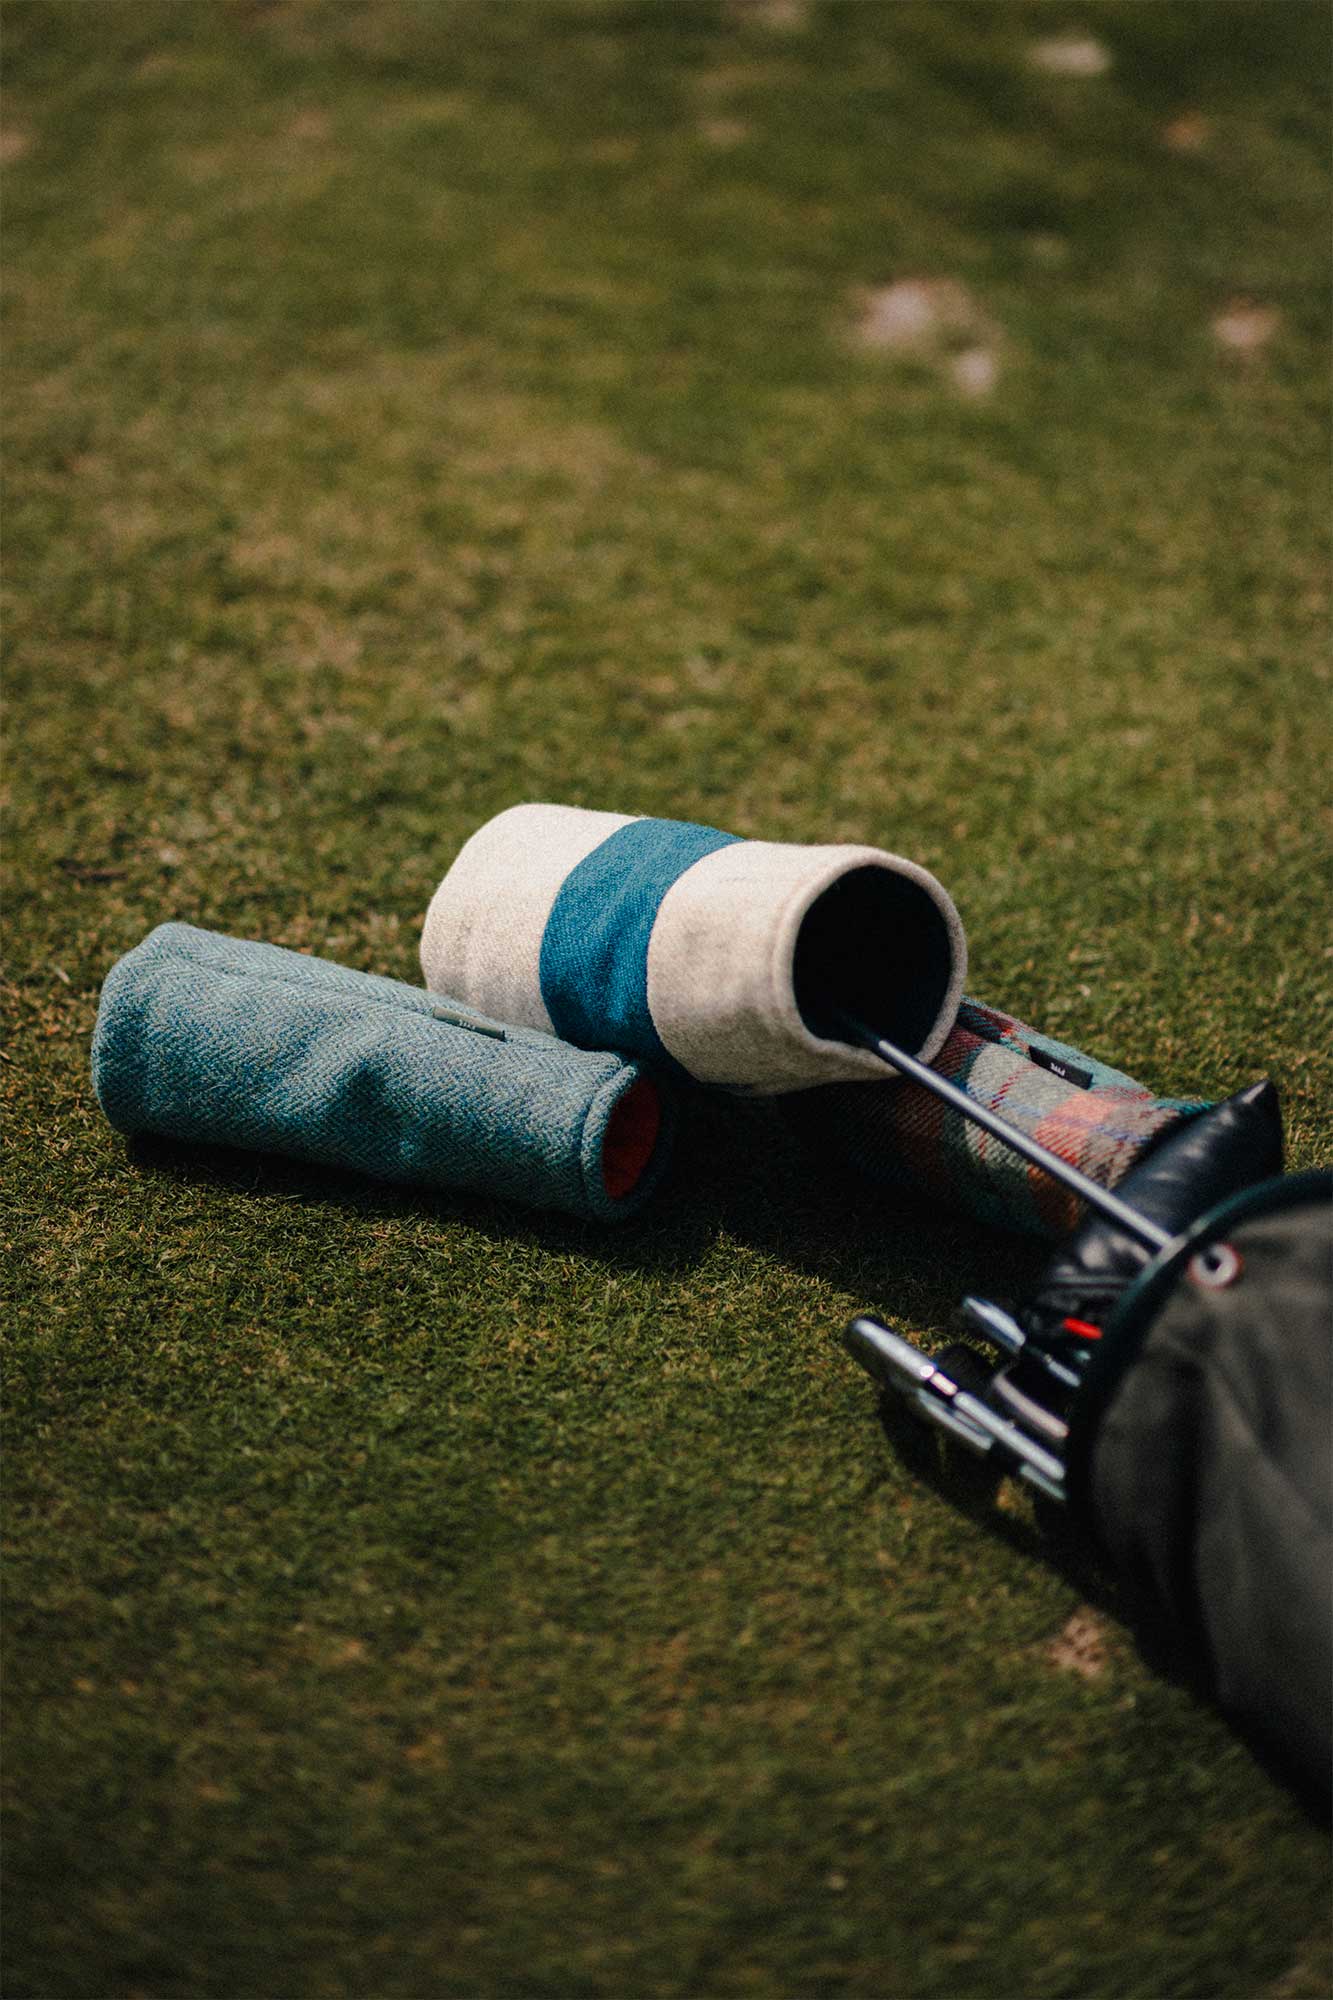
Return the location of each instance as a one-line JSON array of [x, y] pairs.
[[899, 1369], [988, 1424]]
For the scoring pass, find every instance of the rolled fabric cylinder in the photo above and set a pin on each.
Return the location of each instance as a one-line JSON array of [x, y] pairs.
[[895, 1134], [726, 959], [210, 1038]]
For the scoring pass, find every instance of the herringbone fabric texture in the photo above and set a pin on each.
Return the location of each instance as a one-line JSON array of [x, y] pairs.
[[213, 1039], [897, 1135]]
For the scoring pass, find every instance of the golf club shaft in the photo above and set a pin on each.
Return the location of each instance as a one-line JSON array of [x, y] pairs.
[[1097, 1197]]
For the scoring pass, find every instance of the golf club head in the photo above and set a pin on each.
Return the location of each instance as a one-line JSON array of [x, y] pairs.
[[960, 1400]]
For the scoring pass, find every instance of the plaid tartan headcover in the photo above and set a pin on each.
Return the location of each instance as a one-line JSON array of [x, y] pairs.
[[897, 1135]]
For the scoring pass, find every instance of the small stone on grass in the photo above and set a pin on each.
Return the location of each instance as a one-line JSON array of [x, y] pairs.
[[937, 320]]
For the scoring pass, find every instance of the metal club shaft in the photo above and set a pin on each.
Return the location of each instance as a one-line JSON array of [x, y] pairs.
[[1110, 1205]]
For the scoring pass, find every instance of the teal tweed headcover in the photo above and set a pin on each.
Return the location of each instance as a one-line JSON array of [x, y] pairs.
[[210, 1038]]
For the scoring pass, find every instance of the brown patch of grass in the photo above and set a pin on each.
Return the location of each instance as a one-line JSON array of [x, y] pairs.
[[724, 132], [1080, 1647], [618, 151], [1071, 55], [1188, 133], [429, 1751], [936, 320], [309, 123], [1310, 1975], [726, 79], [916, 315], [784, 17], [1245, 327], [438, 107], [132, 524], [293, 160]]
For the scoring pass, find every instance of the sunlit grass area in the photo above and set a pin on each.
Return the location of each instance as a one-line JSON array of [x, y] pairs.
[[890, 422]]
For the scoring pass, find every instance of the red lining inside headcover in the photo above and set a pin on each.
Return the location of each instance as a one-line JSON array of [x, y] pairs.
[[631, 1137]]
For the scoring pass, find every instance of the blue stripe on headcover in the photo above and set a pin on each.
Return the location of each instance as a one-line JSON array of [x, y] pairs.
[[594, 956]]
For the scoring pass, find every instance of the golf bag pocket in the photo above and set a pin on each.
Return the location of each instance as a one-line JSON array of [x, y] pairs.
[[206, 1038], [734, 962], [895, 1134]]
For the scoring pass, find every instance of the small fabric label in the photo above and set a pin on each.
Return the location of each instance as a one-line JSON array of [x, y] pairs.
[[457, 1019], [1059, 1067]]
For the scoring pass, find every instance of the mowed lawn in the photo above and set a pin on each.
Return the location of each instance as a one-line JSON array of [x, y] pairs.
[[888, 422]]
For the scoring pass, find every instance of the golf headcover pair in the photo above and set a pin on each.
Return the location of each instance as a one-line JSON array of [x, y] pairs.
[[208, 1038], [560, 934]]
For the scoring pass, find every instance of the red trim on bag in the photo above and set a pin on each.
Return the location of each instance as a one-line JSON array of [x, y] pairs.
[[631, 1138], [1084, 1328]]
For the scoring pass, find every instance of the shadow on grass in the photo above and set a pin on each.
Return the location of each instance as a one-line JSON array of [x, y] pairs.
[[970, 1487], [740, 1176], [737, 1174]]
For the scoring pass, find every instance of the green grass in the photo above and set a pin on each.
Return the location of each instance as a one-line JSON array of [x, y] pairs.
[[417, 408]]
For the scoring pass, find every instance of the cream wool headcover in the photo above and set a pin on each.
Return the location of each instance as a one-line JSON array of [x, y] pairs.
[[725, 957]]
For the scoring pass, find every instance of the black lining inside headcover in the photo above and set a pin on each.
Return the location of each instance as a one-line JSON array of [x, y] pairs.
[[875, 945]]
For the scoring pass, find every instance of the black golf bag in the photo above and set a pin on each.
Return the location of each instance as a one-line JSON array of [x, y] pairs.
[[1198, 1456], [1180, 1401]]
